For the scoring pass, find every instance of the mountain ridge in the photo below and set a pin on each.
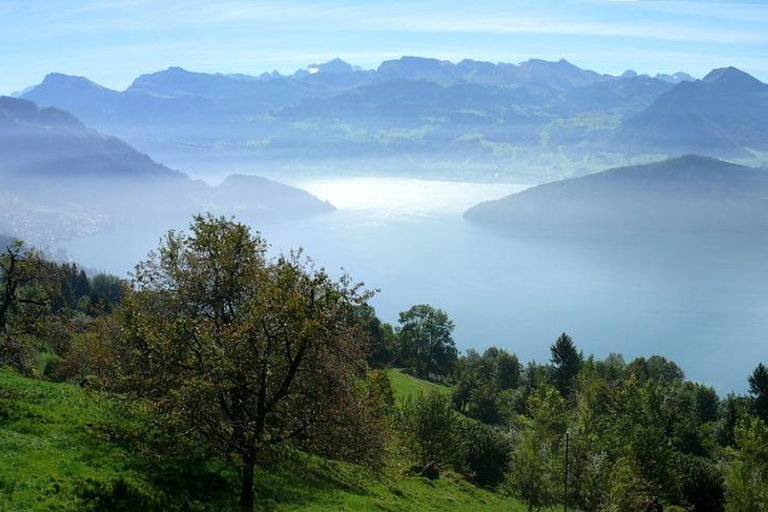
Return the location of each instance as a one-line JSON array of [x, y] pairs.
[[690, 192]]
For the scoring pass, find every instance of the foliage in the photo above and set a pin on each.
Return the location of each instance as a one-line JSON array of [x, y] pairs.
[[566, 363], [22, 303], [67, 449], [244, 352], [746, 475], [483, 384], [758, 388], [426, 340], [484, 453], [427, 424], [532, 470]]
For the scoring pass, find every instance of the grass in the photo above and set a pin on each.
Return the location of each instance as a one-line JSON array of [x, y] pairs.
[[64, 448], [405, 385]]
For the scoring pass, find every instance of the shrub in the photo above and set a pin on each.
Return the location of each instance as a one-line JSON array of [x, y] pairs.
[[485, 453]]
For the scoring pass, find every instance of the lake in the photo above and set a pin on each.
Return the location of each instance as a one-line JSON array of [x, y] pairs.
[[701, 301]]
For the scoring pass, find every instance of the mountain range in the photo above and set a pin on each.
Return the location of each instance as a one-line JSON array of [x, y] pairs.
[[531, 122], [689, 193]]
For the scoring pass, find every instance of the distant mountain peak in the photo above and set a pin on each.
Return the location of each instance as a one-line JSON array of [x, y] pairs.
[[61, 78], [27, 112], [675, 78], [334, 66], [732, 76]]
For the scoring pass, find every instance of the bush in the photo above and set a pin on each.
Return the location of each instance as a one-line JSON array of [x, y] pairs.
[[427, 425], [532, 470], [702, 484], [484, 452]]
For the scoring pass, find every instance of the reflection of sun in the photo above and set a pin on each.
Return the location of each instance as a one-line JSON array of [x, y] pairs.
[[409, 197]]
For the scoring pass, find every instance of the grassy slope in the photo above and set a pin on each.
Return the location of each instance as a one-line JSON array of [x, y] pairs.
[[56, 454], [405, 385]]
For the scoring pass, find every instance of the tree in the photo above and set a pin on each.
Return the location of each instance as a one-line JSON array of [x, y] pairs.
[[508, 370], [532, 468], [746, 474], [426, 340], [241, 351], [706, 404], [428, 426], [21, 302], [566, 363], [485, 453], [657, 369], [758, 388], [381, 336]]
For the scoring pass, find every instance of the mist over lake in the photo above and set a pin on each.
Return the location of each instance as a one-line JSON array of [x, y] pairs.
[[696, 299]]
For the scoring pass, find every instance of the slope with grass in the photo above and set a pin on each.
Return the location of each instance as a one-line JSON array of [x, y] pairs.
[[68, 449], [405, 385]]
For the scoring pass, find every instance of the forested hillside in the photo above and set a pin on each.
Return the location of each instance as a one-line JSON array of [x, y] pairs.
[[222, 378]]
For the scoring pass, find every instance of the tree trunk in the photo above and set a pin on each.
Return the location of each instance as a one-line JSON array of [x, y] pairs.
[[246, 493]]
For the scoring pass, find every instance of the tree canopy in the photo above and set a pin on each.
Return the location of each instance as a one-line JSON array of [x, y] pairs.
[[426, 338], [244, 351]]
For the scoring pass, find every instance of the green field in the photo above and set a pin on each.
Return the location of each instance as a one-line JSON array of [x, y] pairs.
[[405, 385], [65, 448]]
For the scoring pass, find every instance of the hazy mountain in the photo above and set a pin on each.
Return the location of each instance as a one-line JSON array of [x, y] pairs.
[[675, 78], [628, 95], [333, 77], [237, 192], [332, 66], [247, 96], [43, 143], [537, 119], [723, 113], [125, 113], [62, 179], [687, 193], [559, 76]]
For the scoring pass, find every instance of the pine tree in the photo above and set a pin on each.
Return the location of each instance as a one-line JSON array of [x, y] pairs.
[[566, 364], [758, 388]]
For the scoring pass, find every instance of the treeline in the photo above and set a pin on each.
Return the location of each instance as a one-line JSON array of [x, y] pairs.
[[641, 437], [45, 305], [236, 355]]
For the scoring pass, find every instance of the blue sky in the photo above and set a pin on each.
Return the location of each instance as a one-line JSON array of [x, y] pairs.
[[113, 41]]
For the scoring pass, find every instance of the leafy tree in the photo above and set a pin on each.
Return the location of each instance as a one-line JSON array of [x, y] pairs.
[[485, 453], [466, 376], [106, 291], [426, 338], [428, 426], [732, 408], [532, 470], [706, 404], [746, 475], [22, 302], [485, 404], [657, 369], [702, 484], [758, 388], [508, 369], [380, 336], [566, 363], [241, 351]]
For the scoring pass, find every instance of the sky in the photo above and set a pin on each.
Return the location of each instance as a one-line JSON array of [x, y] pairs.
[[113, 41]]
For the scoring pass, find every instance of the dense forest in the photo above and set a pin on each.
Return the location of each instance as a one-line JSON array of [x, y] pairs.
[[218, 356]]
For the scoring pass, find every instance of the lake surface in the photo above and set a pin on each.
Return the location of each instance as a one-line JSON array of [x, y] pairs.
[[701, 301]]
